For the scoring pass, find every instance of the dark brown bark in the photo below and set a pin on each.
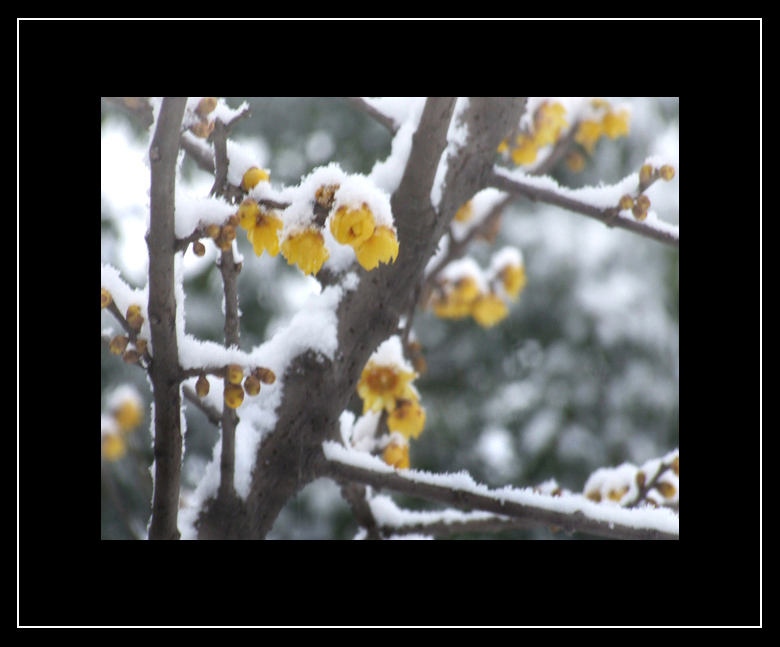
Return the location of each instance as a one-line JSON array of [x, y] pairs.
[[164, 370]]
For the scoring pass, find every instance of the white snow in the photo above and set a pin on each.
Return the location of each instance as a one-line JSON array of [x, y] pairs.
[[457, 136]]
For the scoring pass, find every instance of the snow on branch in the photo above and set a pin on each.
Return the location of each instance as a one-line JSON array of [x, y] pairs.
[[601, 203], [571, 512]]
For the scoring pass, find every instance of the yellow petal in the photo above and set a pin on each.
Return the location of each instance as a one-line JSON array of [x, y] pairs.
[[382, 246]]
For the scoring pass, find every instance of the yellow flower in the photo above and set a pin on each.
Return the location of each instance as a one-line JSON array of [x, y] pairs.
[[548, 123], [264, 235], [248, 212], [588, 133], [253, 177], [382, 246], [525, 153], [465, 213], [488, 310], [615, 124], [513, 277], [352, 226], [397, 456], [128, 415], [307, 249], [113, 447], [407, 418], [458, 299], [380, 386]]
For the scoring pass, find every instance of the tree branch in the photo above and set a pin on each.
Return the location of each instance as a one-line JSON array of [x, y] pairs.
[[361, 104], [164, 370], [496, 501], [609, 216]]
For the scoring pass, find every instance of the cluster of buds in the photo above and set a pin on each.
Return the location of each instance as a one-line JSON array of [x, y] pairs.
[[222, 235], [604, 121], [203, 126], [649, 174], [638, 205], [131, 347], [465, 290], [548, 124], [233, 375], [125, 413], [385, 386], [629, 485]]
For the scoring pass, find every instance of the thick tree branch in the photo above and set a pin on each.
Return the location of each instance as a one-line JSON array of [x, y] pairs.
[[164, 371], [609, 216], [400, 481]]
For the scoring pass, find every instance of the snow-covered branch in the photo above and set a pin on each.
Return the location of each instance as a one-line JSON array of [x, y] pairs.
[[600, 203], [573, 513]]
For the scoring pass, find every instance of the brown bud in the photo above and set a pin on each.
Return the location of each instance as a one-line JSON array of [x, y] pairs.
[[229, 233], [105, 298], [212, 231], [134, 317], [252, 385], [645, 173], [626, 202], [202, 129], [198, 248], [643, 202], [676, 465], [593, 495], [638, 213], [265, 375], [234, 374], [202, 386], [666, 172], [131, 356], [234, 220], [118, 344], [640, 479], [141, 345], [206, 105], [667, 490]]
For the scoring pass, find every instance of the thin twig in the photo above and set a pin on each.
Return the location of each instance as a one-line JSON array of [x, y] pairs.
[[363, 105], [609, 216]]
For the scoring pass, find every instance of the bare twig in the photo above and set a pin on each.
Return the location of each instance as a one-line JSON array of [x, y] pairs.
[[164, 371], [214, 416], [355, 495]]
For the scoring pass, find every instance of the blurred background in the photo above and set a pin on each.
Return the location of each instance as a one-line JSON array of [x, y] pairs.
[[584, 373]]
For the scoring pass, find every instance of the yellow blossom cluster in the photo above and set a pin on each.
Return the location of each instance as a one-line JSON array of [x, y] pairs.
[[357, 228], [125, 413], [606, 121], [387, 387], [463, 297], [548, 124], [203, 127]]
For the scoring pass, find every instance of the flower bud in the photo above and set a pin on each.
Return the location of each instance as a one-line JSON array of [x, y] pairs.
[[666, 172], [626, 202], [265, 375], [643, 202], [229, 233], [575, 161], [252, 385], [676, 465], [206, 105], [645, 173], [667, 490], [234, 374], [640, 479], [202, 386], [253, 177], [212, 231], [198, 248], [141, 345], [202, 129], [134, 317], [118, 344], [234, 395], [105, 298], [325, 194], [131, 356], [234, 220]]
